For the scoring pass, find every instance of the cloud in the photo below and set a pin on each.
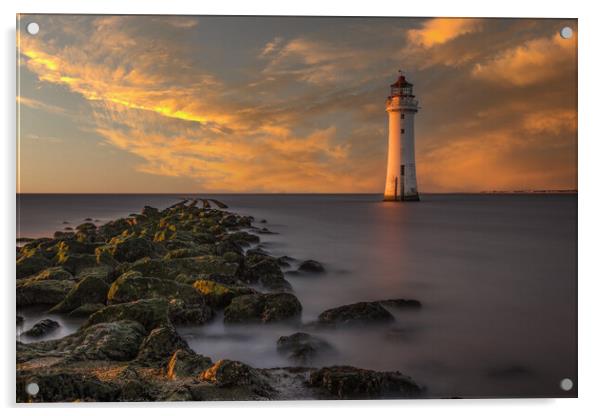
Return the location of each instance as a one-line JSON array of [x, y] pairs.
[[441, 30], [535, 61]]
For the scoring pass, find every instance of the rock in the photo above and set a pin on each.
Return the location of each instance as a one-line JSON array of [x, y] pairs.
[[86, 310], [151, 313], [263, 308], [228, 373], [159, 346], [185, 363], [182, 313], [357, 313], [130, 287], [132, 249], [229, 220], [53, 273], [62, 386], [267, 272], [302, 347], [242, 237], [401, 303], [44, 327], [218, 295], [103, 272], [150, 212], [42, 292], [345, 382], [75, 263], [90, 289], [26, 266], [311, 266]]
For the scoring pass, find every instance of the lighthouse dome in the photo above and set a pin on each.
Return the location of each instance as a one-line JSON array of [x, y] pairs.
[[401, 87]]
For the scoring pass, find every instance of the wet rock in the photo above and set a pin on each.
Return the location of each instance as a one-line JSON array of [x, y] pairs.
[[42, 292], [159, 346], [218, 295], [53, 273], [150, 212], [242, 237], [131, 286], [228, 373], [132, 249], [151, 313], [267, 272], [185, 363], [89, 290], [103, 272], [354, 314], [182, 313], [263, 308], [27, 266], [311, 266], [75, 263], [229, 221], [302, 347], [346, 382], [62, 386], [42, 328]]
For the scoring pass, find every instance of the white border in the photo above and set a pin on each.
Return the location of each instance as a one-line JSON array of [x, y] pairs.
[[590, 231]]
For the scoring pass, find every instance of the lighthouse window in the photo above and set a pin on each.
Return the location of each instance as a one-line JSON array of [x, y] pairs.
[[403, 116], [403, 131]]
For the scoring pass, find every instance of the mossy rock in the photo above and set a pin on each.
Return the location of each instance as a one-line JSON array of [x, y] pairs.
[[159, 346], [185, 363], [263, 308], [131, 249], [219, 295], [42, 292], [30, 265], [131, 286], [90, 289], [53, 273], [86, 310], [151, 313], [361, 313], [267, 272], [75, 263]]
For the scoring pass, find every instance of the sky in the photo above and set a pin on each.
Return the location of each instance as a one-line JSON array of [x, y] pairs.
[[186, 104]]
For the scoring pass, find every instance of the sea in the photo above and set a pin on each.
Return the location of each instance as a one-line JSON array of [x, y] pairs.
[[496, 275]]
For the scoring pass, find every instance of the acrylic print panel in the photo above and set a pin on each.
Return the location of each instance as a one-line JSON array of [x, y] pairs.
[[250, 208]]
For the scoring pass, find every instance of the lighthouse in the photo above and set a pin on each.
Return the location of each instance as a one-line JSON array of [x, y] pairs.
[[402, 105]]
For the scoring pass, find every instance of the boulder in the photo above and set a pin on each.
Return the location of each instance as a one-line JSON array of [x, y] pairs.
[[185, 363], [346, 382], [90, 289], [29, 265], [263, 308], [159, 346], [151, 313], [86, 310], [267, 272], [228, 373], [76, 263], [311, 266], [42, 292], [131, 286], [218, 295], [301, 347], [42, 328], [356, 314], [63, 386], [131, 249], [53, 273], [182, 313]]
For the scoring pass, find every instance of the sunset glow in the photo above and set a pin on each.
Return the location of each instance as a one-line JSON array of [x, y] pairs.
[[234, 104]]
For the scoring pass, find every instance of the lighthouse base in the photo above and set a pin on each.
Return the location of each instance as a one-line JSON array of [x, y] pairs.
[[410, 198], [405, 198], [391, 198]]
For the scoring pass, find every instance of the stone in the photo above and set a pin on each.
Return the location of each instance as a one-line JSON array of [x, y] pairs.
[[53, 273], [27, 266], [86, 310], [160, 345], [263, 308], [131, 249], [182, 313], [228, 373], [346, 382], [302, 347], [151, 313], [185, 363], [90, 289], [42, 328], [357, 313], [218, 295], [130, 287], [42, 292], [75, 262], [311, 266], [267, 272]]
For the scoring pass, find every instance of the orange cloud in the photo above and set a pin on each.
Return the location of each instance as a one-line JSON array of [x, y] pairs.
[[535, 61], [441, 30]]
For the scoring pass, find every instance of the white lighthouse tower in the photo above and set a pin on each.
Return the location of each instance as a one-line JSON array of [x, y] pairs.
[[401, 182]]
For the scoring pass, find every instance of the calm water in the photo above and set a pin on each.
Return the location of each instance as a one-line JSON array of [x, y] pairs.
[[497, 275]]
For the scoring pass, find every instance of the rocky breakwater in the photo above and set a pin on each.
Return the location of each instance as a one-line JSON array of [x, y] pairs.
[[133, 279]]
